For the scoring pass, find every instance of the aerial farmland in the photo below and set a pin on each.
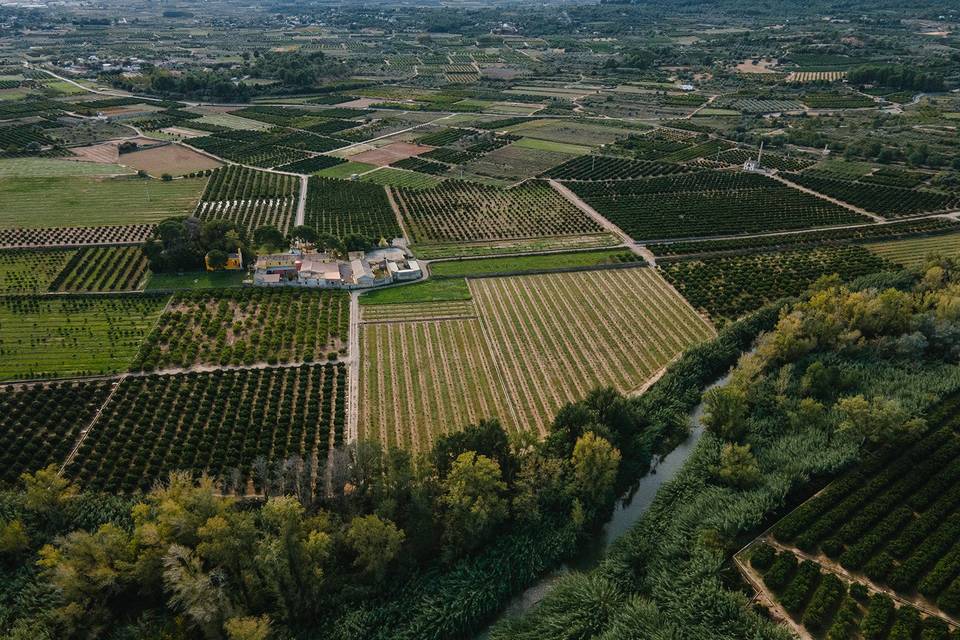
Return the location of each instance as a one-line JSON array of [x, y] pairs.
[[565, 321]]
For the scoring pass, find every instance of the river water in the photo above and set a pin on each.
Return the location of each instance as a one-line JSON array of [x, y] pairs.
[[626, 512]]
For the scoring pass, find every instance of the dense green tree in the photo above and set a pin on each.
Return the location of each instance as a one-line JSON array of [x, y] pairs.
[[878, 420], [486, 438], [375, 542], [725, 412], [269, 237], [738, 467], [248, 628], [473, 502], [595, 465]]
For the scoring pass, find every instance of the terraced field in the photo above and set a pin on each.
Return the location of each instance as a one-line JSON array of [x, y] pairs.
[[536, 343]]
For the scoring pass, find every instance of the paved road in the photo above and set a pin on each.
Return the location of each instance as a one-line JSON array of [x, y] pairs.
[[353, 370], [302, 202]]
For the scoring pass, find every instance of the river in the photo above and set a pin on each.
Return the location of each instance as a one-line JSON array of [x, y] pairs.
[[626, 512]]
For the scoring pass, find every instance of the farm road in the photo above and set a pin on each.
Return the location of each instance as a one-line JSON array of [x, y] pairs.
[[840, 203], [602, 221]]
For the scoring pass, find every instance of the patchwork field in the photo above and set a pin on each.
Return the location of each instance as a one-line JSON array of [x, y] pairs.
[[65, 336], [576, 133], [103, 269], [520, 349], [171, 158], [75, 236], [30, 271], [516, 162], [728, 286], [56, 168], [79, 201], [341, 207], [400, 178]]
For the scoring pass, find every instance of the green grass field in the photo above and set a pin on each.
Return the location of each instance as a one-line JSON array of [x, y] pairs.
[[60, 336], [913, 252], [81, 201], [55, 168], [492, 266], [401, 178], [506, 247], [445, 290], [234, 122], [548, 145], [346, 170], [198, 280]]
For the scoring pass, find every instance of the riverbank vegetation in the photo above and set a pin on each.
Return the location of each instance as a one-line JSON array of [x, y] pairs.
[[846, 371]]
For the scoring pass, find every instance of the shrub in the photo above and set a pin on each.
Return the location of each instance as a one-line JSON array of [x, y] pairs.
[[824, 601], [780, 571], [879, 615], [798, 592], [762, 556]]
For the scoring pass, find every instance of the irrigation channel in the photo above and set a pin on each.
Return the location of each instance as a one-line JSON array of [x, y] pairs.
[[626, 512]]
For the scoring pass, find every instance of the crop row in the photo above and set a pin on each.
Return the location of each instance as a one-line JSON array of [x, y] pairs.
[[245, 326], [450, 155], [102, 269], [250, 198], [39, 423], [72, 335], [887, 201], [829, 608], [461, 211], [897, 523], [444, 137], [813, 238], [592, 167], [233, 182], [342, 207], [75, 236], [726, 287], [708, 203], [423, 166], [262, 151], [30, 271], [521, 349], [219, 423], [774, 160], [312, 165]]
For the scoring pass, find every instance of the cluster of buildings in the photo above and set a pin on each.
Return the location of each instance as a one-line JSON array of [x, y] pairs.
[[321, 270]]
